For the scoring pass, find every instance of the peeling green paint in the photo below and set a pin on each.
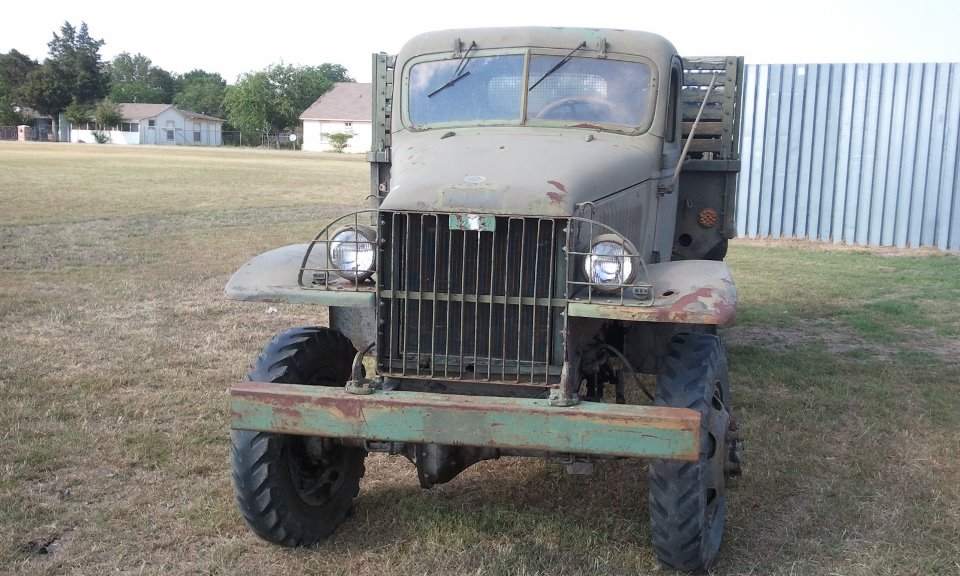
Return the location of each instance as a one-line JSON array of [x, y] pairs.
[[516, 423]]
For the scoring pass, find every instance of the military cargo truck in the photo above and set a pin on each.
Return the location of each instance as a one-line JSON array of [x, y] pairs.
[[549, 212]]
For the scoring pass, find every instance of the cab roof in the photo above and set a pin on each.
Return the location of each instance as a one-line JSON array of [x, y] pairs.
[[611, 41]]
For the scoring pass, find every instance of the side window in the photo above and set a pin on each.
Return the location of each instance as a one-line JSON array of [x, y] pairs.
[[670, 130]]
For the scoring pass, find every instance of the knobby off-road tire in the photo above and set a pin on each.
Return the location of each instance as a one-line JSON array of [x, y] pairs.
[[687, 501], [296, 490]]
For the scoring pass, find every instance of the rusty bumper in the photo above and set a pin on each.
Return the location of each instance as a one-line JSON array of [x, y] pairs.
[[516, 423]]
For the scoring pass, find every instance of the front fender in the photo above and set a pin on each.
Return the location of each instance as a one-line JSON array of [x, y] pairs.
[[274, 276], [685, 292]]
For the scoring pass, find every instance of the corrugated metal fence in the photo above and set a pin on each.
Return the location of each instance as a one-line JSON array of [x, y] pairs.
[[852, 153]]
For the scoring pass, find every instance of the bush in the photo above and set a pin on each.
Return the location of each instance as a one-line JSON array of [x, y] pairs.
[[338, 140]]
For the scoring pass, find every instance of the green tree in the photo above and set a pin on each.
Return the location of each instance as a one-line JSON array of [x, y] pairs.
[[71, 73], [45, 91], [14, 69], [76, 56], [136, 79], [273, 99], [201, 92], [108, 115], [77, 115], [334, 73]]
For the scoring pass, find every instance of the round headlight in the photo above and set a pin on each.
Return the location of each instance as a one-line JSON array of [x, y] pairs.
[[610, 263], [352, 252]]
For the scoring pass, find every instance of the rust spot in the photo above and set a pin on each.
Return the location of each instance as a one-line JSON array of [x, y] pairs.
[[692, 301], [588, 126], [557, 198], [289, 414]]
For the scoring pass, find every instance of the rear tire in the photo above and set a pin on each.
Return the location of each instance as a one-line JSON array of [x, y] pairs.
[[718, 252], [295, 490], [687, 499]]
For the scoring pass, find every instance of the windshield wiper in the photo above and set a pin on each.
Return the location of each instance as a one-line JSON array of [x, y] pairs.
[[458, 74], [558, 65]]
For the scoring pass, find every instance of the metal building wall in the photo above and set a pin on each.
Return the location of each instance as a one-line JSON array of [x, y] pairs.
[[852, 153]]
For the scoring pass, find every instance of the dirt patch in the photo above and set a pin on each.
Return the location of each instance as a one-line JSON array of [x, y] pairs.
[[816, 245], [49, 546], [927, 340], [835, 338]]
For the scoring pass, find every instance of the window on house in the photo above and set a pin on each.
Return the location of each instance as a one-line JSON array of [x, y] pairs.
[[151, 123], [170, 130], [130, 126], [196, 132], [347, 124]]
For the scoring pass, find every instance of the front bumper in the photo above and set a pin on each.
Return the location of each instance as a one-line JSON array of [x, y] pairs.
[[588, 428]]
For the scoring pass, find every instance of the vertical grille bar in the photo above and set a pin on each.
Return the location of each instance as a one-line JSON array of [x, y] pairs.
[[476, 305], [536, 293], [449, 304], [421, 288], [392, 279], [491, 306], [520, 279], [508, 272], [408, 285], [435, 286]]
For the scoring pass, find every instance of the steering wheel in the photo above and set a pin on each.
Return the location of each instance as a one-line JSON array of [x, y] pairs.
[[604, 110]]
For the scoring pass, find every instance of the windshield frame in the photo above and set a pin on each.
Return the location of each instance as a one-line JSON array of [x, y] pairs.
[[527, 53]]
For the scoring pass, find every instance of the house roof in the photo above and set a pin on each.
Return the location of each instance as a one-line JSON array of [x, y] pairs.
[[345, 101], [136, 111]]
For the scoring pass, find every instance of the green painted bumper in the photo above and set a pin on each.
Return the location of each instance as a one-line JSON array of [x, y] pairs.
[[517, 423]]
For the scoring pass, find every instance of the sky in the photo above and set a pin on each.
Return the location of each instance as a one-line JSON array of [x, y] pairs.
[[180, 36]]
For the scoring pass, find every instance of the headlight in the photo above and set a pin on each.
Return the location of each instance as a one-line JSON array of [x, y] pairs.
[[352, 252], [610, 263]]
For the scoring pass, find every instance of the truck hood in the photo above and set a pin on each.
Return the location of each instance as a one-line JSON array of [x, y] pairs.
[[521, 171]]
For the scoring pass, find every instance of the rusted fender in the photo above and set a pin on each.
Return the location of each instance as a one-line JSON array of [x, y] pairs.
[[687, 292], [421, 417], [274, 277]]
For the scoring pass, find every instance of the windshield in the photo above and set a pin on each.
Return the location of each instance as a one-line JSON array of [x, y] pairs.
[[491, 89]]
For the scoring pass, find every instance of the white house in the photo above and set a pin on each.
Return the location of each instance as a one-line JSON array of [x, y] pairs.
[[158, 124], [345, 108]]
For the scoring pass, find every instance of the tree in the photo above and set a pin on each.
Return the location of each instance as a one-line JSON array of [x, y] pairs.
[[136, 79], [71, 73], [14, 69], [334, 73], [108, 115], [45, 91], [77, 114], [273, 99], [76, 56], [201, 92]]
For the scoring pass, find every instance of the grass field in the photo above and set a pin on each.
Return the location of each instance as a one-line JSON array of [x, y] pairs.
[[117, 347]]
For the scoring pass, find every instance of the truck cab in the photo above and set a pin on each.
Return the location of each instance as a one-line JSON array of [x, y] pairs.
[[548, 215]]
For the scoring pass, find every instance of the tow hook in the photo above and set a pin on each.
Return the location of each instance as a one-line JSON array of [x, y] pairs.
[[358, 382]]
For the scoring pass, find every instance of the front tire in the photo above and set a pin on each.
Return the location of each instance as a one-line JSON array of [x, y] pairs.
[[687, 499], [295, 490]]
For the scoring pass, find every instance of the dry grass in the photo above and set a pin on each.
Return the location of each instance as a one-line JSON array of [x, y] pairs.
[[117, 346]]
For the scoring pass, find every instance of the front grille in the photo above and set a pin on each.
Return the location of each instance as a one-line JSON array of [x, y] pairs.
[[469, 304]]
